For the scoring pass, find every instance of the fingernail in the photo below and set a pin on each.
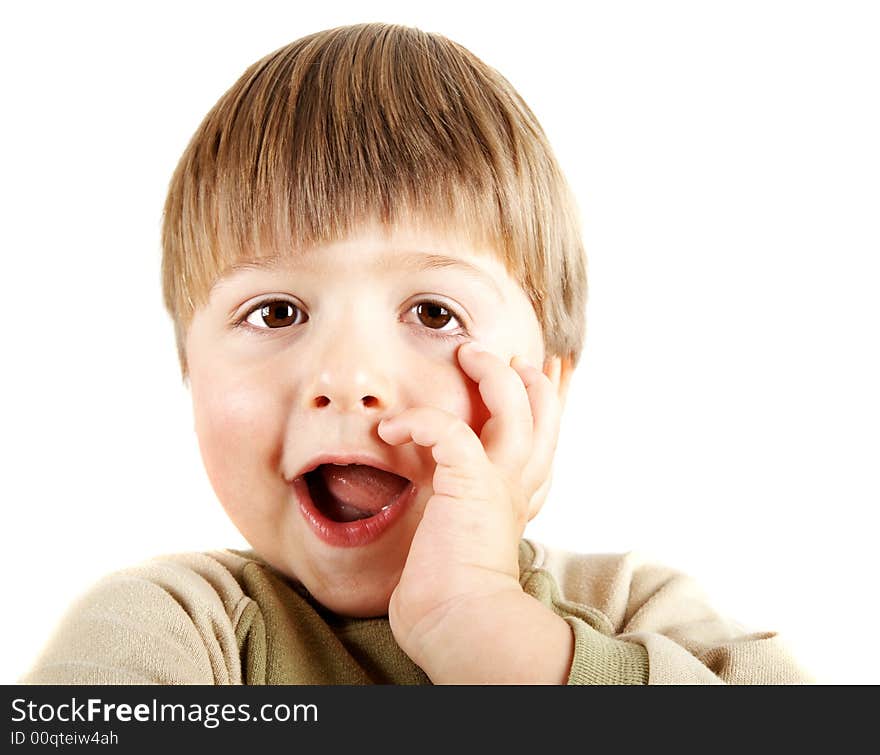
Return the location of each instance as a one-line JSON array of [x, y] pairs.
[[475, 346]]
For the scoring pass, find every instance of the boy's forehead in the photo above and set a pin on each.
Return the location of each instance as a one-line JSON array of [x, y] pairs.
[[407, 253]]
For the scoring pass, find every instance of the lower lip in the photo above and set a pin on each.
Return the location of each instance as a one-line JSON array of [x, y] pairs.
[[350, 534]]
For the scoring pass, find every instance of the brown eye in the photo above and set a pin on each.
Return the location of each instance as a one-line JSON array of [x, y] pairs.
[[274, 314], [433, 315]]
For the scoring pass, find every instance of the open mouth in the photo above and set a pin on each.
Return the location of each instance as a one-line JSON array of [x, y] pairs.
[[349, 492]]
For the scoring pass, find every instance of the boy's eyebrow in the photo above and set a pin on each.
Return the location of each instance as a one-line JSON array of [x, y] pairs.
[[417, 262], [412, 262]]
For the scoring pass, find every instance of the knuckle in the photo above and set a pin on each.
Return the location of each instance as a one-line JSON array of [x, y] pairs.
[[542, 388], [456, 483], [458, 431], [511, 379]]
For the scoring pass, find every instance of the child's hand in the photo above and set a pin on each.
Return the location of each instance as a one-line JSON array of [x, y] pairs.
[[463, 562]]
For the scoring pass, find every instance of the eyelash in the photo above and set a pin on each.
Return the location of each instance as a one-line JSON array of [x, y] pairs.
[[432, 332]]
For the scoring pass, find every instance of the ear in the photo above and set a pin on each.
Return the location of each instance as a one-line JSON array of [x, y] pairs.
[[559, 370]]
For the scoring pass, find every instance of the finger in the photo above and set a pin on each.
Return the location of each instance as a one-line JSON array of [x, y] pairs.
[[453, 443], [546, 416], [507, 434], [538, 498]]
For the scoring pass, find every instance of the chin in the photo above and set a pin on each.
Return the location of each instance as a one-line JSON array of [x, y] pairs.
[[361, 602]]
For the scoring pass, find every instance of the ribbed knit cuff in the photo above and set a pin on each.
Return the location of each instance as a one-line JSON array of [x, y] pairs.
[[599, 659]]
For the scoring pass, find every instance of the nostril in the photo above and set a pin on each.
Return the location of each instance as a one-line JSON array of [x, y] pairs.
[[368, 401]]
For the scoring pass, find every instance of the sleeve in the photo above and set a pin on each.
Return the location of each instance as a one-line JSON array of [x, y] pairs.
[[637, 622], [689, 642], [169, 621]]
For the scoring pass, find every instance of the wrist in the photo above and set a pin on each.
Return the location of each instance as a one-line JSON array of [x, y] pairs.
[[503, 638]]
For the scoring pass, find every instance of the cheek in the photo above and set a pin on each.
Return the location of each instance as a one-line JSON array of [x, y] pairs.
[[240, 422], [451, 390]]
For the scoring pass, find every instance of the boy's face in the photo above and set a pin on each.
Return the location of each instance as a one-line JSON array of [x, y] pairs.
[[299, 360]]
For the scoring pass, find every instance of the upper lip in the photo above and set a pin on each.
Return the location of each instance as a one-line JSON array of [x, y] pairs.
[[354, 457]]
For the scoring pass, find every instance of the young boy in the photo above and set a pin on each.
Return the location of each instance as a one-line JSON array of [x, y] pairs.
[[378, 286]]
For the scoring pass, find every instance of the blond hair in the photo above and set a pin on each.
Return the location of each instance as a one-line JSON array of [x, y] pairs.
[[373, 122]]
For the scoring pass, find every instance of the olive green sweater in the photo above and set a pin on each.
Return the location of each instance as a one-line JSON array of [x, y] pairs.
[[226, 617]]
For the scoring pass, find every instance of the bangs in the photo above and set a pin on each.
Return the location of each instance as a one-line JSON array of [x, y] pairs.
[[360, 124]]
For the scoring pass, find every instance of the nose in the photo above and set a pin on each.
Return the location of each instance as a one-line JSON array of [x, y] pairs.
[[350, 378]]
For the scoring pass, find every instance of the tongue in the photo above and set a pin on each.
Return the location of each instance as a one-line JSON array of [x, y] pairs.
[[361, 490]]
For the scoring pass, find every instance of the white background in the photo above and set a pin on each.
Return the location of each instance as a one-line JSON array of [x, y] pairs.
[[724, 418]]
